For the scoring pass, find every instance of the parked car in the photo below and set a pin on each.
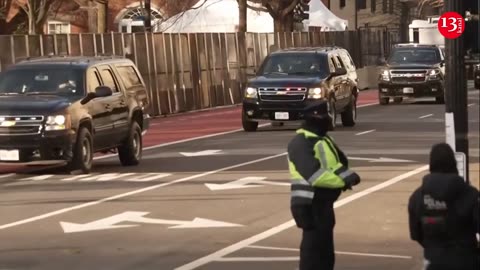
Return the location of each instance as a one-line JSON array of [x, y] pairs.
[[288, 80], [61, 110], [412, 70]]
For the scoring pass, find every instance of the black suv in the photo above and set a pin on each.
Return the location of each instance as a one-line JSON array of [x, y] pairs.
[[60, 110], [289, 80], [412, 70]]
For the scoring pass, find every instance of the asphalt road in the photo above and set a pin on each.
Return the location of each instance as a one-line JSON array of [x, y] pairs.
[[222, 202]]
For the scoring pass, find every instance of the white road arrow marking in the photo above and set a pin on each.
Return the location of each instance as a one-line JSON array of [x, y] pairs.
[[245, 182], [381, 159], [138, 217], [201, 153]]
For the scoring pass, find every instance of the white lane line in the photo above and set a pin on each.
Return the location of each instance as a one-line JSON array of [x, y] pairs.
[[184, 140], [130, 193], [365, 132], [425, 116], [6, 175], [471, 104], [338, 252], [206, 136], [291, 223]]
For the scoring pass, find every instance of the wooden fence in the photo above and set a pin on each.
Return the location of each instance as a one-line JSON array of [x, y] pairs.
[[186, 72]]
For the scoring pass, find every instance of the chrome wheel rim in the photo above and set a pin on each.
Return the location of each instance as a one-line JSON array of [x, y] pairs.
[[136, 144], [86, 152]]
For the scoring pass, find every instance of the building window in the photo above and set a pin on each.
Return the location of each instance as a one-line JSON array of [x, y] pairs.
[[133, 20], [384, 6], [342, 3], [373, 5], [56, 27], [361, 4], [391, 7]]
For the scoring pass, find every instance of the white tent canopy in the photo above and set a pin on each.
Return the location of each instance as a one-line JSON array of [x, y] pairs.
[[216, 16], [321, 16]]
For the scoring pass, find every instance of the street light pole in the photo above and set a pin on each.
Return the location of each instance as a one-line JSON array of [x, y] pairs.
[[456, 88]]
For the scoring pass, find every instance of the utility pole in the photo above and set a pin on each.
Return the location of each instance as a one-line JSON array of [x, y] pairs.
[[456, 89], [148, 16]]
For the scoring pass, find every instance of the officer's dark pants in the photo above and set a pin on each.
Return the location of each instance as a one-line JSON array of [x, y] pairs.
[[317, 247]]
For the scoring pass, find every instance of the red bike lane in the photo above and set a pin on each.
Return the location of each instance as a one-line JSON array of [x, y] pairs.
[[196, 124]]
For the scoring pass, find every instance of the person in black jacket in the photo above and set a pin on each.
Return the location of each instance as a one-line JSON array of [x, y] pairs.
[[444, 215]]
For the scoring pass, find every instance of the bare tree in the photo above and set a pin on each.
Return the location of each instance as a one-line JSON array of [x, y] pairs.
[[38, 12], [422, 4], [281, 12]]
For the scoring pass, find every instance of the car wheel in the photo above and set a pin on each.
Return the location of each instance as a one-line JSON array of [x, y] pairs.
[[248, 125], [130, 152], [332, 112], [383, 100], [82, 153], [440, 100], [350, 114], [398, 99]]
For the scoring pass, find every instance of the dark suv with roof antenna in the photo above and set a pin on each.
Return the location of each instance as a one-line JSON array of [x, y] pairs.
[[60, 110], [288, 80]]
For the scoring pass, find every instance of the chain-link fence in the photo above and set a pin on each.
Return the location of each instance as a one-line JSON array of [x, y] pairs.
[[185, 72]]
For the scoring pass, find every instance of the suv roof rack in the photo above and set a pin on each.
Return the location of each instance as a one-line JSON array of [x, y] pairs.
[[414, 45]]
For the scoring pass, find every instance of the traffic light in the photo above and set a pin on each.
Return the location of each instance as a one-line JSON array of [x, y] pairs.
[[300, 12]]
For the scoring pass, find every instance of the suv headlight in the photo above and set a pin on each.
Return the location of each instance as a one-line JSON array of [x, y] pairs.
[[58, 122], [434, 74], [385, 75], [251, 92], [315, 93]]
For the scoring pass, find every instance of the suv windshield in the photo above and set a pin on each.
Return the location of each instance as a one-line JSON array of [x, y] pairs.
[[42, 81], [295, 64], [414, 56]]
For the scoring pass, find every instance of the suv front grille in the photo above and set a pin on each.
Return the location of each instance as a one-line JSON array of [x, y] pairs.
[[20, 125], [282, 94], [408, 76]]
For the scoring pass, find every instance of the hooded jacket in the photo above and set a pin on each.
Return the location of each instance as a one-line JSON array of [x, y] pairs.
[[444, 211]]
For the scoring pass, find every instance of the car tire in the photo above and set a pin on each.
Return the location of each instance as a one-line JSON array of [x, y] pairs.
[[248, 126], [398, 99], [130, 152], [477, 86], [82, 158], [383, 100], [332, 111], [350, 114]]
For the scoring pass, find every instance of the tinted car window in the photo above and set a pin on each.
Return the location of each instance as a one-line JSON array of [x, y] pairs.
[[414, 55], [108, 79], [93, 80], [44, 80], [295, 64], [129, 76]]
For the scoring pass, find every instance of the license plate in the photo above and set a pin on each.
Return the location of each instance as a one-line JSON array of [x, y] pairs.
[[9, 155], [281, 115], [407, 90]]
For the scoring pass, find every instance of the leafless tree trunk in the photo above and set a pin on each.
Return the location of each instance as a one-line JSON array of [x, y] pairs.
[[37, 12], [242, 11]]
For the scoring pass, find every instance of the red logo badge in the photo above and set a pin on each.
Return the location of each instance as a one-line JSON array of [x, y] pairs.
[[451, 25]]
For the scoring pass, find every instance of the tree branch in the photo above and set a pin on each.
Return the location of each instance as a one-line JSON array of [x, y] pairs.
[[289, 8]]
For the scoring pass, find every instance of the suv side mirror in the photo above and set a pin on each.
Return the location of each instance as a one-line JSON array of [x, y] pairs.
[[442, 63], [101, 91], [339, 72]]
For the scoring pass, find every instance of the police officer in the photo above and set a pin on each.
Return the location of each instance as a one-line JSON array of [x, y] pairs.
[[319, 172], [444, 215]]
